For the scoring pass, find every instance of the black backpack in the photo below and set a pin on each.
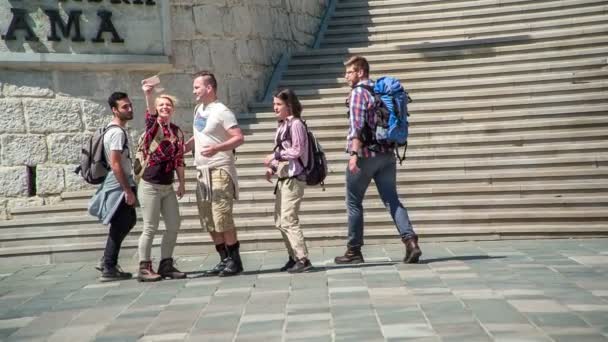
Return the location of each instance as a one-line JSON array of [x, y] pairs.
[[93, 165], [316, 170]]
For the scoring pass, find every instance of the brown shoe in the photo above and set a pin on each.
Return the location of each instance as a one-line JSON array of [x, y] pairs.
[[146, 273], [351, 256], [166, 269], [412, 250]]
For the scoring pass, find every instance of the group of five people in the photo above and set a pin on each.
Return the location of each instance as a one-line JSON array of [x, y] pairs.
[[216, 134]]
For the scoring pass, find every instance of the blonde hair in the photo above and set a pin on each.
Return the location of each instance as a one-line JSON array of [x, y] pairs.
[[171, 99]]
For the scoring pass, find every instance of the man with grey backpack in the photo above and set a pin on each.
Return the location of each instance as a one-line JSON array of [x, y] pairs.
[[114, 202]]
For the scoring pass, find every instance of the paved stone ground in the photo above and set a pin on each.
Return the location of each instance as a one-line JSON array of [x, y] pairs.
[[533, 290]]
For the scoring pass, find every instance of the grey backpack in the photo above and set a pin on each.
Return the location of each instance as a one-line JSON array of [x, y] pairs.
[[93, 165]]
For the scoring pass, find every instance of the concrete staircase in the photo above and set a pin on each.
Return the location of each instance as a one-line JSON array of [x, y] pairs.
[[509, 131]]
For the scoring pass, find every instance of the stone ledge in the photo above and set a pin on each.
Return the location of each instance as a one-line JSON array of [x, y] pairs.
[[64, 61]]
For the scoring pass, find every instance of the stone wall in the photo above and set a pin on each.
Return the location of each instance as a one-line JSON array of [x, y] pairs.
[[46, 114]]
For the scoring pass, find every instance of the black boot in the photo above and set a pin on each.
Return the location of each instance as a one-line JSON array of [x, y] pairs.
[[289, 264], [221, 250], [167, 269], [302, 265], [234, 265], [351, 256], [412, 250]]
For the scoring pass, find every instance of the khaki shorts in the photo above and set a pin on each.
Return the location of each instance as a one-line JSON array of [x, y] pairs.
[[216, 216]]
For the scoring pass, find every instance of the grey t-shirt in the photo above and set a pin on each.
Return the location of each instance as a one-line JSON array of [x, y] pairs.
[[114, 140]]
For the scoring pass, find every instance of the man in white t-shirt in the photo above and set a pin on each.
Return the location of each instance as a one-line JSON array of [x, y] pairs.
[[117, 149], [215, 136]]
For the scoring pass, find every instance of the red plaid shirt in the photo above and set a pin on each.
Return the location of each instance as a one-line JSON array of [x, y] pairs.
[[171, 148]]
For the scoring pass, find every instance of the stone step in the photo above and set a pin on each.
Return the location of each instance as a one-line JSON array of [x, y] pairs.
[[75, 205], [439, 13], [516, 25], [473, 61], [517, 178], [271, 240], [429, 117], [426, 89], [318, 126], [468, 23], [523, 70], [327, 214], [495, 44], [367, 4], [406, 56], [417, 127], [320, 222], [315, 204]]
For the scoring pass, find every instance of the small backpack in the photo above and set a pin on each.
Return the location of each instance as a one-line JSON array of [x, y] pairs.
[[391, 114], [93, 165], [316, 170]]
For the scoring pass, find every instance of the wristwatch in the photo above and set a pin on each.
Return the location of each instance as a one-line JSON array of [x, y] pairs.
[[354, 153]]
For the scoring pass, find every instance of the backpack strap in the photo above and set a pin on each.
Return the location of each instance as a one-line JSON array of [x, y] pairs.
[[366, 87], [125, 146], [401, 157], [287, 136]]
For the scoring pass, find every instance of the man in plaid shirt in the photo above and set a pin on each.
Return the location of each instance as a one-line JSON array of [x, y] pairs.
[[367, 162]]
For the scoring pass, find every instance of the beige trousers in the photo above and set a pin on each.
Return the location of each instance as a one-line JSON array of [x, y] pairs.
[[289, 196], [157, 199]]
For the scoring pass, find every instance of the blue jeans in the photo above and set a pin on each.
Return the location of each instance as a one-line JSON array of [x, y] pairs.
[[382, 168]]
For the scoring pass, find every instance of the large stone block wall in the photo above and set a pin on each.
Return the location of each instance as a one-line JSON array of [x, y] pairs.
[[45, 115]]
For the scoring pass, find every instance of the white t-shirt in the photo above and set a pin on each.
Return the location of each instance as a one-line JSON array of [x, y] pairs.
[[114, 140], [210, 127]]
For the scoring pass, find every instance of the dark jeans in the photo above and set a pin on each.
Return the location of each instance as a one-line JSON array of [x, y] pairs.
[[382, 168], [121, 224]]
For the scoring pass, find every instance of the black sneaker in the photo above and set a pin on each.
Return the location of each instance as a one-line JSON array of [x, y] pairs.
[[99, 266], [114, 274], [216, 270], [289, 264], [300, 266]]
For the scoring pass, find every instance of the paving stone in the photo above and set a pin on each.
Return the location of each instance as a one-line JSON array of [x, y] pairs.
[[513, 299], [565, 319], [537, 306]]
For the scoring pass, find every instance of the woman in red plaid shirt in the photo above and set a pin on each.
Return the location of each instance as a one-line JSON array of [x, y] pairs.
[[163, 152]]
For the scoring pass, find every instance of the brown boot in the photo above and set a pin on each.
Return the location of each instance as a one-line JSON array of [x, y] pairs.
[[351, 256], [412, 250], [166, 269], [146, 273]]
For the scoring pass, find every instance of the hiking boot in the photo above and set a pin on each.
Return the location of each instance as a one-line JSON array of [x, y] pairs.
[[351, 256], [221, 250], [234, 265], [412, 250], [289, 264], [114, 274], [146, 273], [167, 269], [216, 270], [300, 266]]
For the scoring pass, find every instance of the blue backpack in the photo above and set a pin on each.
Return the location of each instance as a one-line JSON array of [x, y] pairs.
[[391, 114]]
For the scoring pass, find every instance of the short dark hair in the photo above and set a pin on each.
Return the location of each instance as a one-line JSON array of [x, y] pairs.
[[115, 97], [289, 97], [360, 63], [208, 78]]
